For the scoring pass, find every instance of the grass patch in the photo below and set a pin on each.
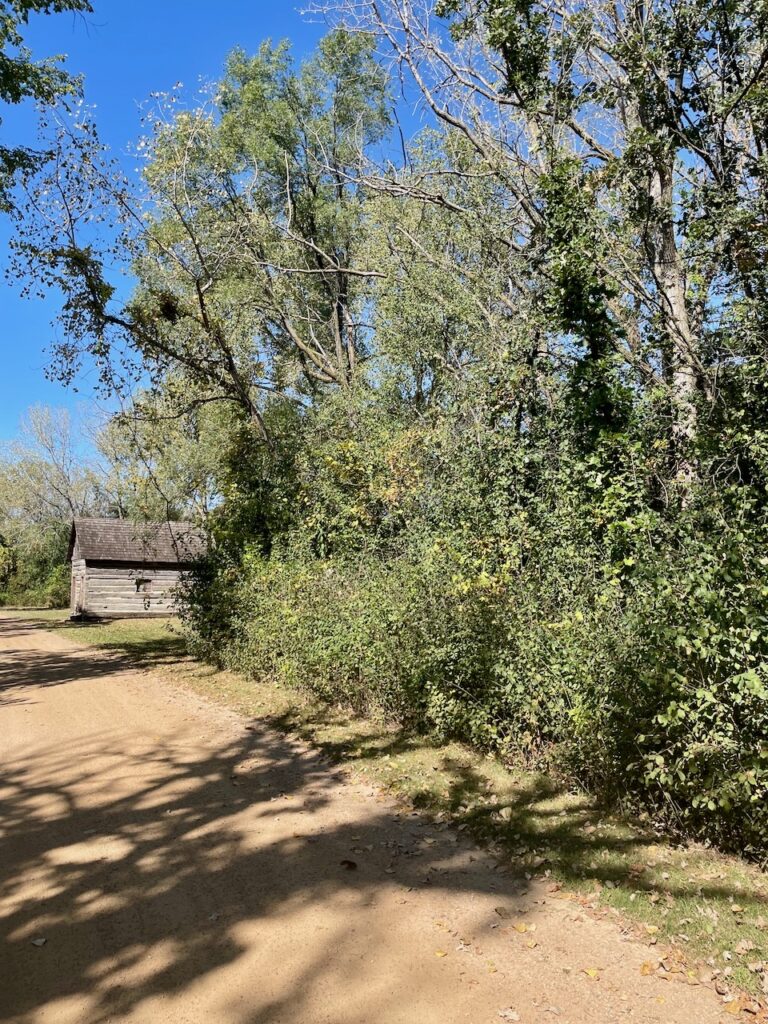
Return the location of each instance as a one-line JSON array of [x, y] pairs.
[[707, 906], [151, 643], [35, 614]]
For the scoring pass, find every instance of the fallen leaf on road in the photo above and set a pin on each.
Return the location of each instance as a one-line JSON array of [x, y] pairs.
[[591, 972], [737, 1006], [502, 912], [440, 952], [350, 865], [39, 942], [509, 1014], [520, 927], [647, 969]]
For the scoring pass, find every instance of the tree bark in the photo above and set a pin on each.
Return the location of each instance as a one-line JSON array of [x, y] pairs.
[[671, 286]]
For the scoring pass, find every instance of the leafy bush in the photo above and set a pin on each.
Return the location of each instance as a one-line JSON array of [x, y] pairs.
[[548, 610], [52, 591]]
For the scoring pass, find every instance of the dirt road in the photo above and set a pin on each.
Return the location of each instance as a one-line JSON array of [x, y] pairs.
[[162, 862]]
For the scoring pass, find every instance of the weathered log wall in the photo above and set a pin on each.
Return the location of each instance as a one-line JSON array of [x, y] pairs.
[[117, 592], [77, 594]]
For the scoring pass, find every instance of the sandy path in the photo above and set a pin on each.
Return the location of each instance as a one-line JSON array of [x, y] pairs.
[[184, 869]]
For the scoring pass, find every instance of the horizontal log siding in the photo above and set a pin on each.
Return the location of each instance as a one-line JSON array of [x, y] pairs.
[[100, 572], [112, 591]]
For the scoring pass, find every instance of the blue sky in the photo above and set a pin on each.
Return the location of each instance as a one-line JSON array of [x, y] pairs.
[[125, 50]]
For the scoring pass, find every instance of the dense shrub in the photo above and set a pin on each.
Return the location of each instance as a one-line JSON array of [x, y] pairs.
[[36, 574], [52, 591], [560, 617]]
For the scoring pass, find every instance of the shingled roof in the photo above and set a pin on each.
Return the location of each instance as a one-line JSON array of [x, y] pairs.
[[121, 540]]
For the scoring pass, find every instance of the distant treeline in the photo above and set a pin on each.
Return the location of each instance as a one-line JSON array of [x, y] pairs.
[[65, 465]]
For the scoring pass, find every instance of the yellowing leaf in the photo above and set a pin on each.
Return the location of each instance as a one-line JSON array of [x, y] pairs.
[[736, 1006], [440, 952], [521, 927], [592, 972], [647, 969]]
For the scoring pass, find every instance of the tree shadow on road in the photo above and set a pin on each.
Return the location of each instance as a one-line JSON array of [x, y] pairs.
[[151, 864], [22, 666], [144, 872]]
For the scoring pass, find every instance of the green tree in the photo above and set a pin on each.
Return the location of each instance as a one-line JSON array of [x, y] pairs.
[[23, 78], [513, 386], [248, 248], [46, 480], [631, 143], [158, 464]]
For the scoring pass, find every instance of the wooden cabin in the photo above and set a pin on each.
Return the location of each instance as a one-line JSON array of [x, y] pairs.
[[121, 568]]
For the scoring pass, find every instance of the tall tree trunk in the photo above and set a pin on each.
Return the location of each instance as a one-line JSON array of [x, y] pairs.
[[671, 286]]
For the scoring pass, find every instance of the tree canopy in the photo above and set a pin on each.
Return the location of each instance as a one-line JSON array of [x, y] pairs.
[[477, 417], [23, 78]]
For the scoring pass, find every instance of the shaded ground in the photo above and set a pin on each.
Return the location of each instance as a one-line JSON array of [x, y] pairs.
[[705, 906], [184, 865]]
